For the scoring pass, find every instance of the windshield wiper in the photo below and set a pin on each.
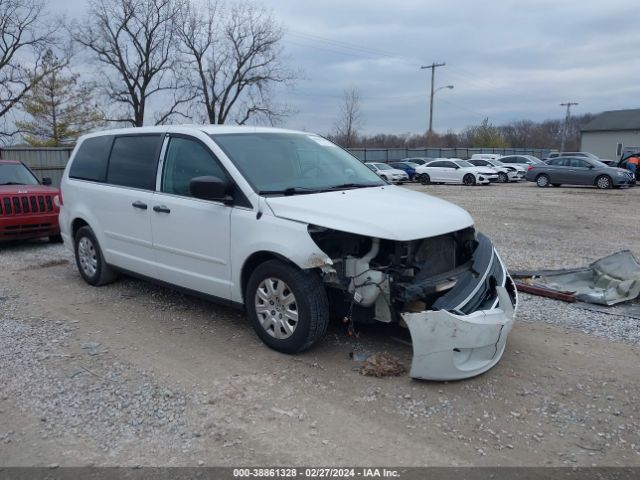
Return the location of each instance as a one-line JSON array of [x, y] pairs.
[[289, 191], [345, 186]]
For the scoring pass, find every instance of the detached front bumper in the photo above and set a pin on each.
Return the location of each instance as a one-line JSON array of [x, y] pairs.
[[453, 343]]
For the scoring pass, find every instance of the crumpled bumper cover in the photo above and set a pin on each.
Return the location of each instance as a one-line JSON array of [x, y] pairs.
[[451, 345]]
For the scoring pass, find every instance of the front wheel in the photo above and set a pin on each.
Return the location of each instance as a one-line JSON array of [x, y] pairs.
[[503, 177], [288, 307], [469, 180], [425, 179], [89, 259], [542, 181], [603, 182]]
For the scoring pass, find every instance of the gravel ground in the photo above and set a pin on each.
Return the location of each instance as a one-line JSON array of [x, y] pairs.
[[612, 326], [132, 373]]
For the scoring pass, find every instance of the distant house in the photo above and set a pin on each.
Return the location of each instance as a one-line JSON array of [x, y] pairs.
[[609, 132]]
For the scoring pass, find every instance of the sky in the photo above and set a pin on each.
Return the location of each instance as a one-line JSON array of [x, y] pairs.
[[507, 59]]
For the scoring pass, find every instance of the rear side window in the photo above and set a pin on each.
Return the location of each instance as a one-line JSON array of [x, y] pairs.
[[90, 161], [134, 160]]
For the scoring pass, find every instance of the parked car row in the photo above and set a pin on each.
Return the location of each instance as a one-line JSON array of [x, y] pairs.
[[481, 169]]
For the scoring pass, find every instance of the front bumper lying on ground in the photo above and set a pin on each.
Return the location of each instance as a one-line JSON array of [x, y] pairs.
[[465, 337], [447, 346]]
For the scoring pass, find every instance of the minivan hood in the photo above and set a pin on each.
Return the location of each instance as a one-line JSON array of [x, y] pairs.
[[387, 212]]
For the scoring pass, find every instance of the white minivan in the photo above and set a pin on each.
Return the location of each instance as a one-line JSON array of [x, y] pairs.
[[293, 229]]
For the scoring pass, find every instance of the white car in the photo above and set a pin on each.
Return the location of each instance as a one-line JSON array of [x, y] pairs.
[[455, 170], [388, 173], [506, 173], [485, 156], [287, 226], [522, 161]]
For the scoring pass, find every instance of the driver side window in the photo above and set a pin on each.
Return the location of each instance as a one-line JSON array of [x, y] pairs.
[[186, 159]]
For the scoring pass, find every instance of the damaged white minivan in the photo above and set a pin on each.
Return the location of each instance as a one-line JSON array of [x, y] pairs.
[[292, 228]]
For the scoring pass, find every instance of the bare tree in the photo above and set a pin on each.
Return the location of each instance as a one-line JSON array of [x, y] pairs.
[[24, 41], [235, 58], [349, 119], [135, 40]]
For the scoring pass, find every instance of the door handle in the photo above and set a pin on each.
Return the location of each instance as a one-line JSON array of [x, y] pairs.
[[161, 209], [140, 205]]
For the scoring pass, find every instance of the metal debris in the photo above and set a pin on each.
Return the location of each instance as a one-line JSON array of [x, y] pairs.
[[608, 281]]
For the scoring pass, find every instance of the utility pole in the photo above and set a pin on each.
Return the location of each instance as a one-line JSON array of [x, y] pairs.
[[433, 67], [566, 123]]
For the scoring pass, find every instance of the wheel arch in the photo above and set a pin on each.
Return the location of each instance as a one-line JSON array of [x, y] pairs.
[[595, 180], [76, 225], [258, 258]]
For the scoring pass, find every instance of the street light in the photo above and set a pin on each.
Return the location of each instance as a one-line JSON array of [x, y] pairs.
[[450, 87]]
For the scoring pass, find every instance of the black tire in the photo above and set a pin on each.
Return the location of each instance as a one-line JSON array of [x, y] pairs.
[[311, 306], [55, 238], [101, 273], [503, 177], [556, 185], [542, 180], [604, 182], [469, 179], [425, 179]]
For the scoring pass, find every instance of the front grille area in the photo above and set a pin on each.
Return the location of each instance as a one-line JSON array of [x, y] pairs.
[[25, 204]]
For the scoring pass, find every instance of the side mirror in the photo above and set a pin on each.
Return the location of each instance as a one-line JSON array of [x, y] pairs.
[[46, 180], [589, 166], [211, 188]]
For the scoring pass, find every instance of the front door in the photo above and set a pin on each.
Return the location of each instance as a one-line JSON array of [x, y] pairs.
[[191, 236]]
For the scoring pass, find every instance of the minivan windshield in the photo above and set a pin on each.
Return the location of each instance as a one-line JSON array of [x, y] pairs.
[[16, 174], [292, 163]]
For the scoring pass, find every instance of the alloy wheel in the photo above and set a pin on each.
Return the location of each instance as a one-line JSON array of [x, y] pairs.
[[276, 308], [87, 256]]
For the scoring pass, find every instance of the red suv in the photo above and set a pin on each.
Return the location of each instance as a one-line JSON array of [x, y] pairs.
[[28, 209]]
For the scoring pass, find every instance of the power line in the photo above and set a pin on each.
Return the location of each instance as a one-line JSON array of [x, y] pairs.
[[353, 47]]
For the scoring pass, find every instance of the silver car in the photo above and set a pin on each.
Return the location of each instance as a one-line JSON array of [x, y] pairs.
[[579, 171], [388, 173]]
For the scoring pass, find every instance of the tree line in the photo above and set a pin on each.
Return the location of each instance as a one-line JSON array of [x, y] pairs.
[[209, 61], [519, 133]]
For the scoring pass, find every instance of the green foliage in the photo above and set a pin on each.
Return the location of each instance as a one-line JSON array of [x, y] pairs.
[[485, 135], [59, 107]]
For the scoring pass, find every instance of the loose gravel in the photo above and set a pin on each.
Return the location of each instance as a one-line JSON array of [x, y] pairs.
[[614, 326]]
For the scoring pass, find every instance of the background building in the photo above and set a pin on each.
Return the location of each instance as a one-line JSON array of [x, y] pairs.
[[609, 132]]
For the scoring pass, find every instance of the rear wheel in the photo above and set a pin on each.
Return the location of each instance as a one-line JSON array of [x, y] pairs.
[[91, 265], [603, 182], [542, 180], [287, 307], [469, 179], [425, 179], [503, 177]]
